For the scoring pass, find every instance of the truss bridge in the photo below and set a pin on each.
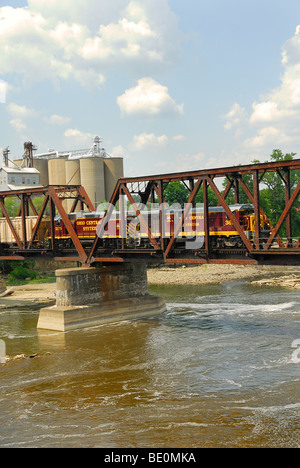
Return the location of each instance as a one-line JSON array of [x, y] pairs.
[[138, 224]]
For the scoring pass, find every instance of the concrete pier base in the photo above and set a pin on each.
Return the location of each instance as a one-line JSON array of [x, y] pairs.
[[93, 296]]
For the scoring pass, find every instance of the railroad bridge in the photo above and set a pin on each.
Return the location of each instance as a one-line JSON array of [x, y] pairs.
[[25, 231], [112, 283]]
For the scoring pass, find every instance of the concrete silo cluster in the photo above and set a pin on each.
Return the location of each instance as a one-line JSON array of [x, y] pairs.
[[92, 168]]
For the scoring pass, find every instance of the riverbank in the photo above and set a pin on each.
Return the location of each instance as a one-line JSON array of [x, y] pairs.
[[288, 281], [43, 295], [219, 274], [35, 295]]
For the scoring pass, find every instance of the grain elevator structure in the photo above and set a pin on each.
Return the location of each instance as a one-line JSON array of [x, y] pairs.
[[92, 168]]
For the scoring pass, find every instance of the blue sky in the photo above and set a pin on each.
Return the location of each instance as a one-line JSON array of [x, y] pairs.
[[169, 85]]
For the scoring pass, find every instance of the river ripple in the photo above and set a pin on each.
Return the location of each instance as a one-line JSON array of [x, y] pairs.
[[215, 370]]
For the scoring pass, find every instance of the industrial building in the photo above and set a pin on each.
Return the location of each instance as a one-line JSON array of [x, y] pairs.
[[16, 176], [92, 168]]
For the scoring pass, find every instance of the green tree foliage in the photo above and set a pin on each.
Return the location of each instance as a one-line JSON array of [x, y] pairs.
[[38, 202], [212, 198], [7, 266], [22, 273], [177, 192], [272, 193], [12, 205], [18, 270]]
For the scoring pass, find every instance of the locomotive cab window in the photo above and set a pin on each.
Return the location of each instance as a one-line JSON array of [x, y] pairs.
[[57, 220]]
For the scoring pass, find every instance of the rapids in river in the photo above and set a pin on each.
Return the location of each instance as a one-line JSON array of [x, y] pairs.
[[218, 369]]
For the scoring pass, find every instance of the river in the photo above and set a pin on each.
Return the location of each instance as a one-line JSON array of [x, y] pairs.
[[216, 370]]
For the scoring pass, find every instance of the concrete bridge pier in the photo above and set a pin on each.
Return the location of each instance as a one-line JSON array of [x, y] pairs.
[[91, 296]]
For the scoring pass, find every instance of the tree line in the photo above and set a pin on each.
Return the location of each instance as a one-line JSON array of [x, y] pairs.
[[272, 193]]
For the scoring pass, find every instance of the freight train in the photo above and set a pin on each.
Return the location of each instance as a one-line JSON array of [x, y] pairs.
[[223, 233]]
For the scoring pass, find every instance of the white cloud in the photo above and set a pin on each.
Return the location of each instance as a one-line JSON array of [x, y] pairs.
[[89, 78], [89, 12], [63, 40], [20, 114], [283, 101], [148, 140], [77, 137], [24, 42], [118, 152], [58, 119], [275, 117], [291, 49], [18, 124], [121, 41], [69, 37], [267, 136], [21, 111], [148, 98], [264, 111], [191, 162], [179, 138], [235, 117]]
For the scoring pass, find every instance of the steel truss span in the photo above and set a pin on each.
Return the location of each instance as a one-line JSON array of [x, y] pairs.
[[138, 224]]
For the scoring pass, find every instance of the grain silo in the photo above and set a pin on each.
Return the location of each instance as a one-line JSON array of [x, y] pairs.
[[42, 166], [92, 178], [91, 167], [113, 170], [57, 174], [72, 178], [57, 171]]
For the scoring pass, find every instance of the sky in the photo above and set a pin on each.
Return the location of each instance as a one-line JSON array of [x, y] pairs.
[[169, 85]]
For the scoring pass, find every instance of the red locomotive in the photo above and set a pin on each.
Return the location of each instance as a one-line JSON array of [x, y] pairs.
[[223, 234]]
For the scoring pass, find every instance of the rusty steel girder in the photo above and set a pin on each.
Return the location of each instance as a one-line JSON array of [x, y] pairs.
[[53, 199], [150, 187], [161, 249]]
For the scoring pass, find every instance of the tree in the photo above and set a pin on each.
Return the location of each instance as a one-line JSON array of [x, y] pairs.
[[176, 192], [272, 193], [243, 198], [12, 205], [212, 198], [38, 202], [273, 196]]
